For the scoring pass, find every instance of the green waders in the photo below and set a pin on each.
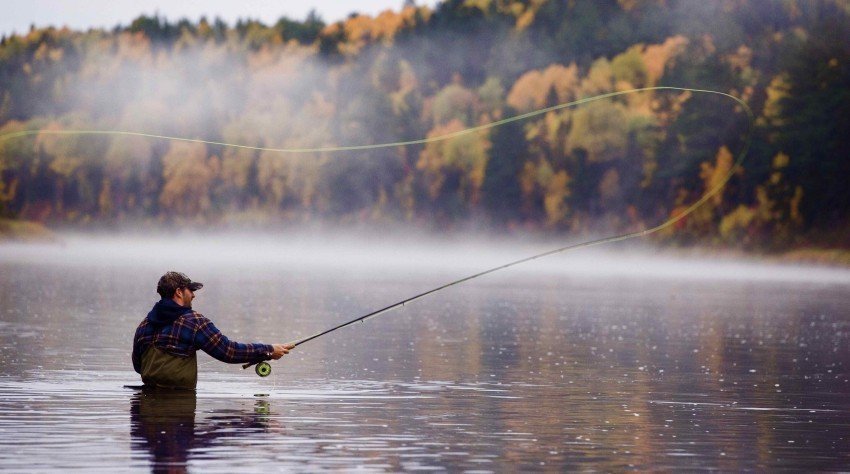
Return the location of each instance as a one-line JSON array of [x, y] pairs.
[[161, 369]]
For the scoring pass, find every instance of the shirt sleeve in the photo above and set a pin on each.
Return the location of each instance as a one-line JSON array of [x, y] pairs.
[[210, 340]]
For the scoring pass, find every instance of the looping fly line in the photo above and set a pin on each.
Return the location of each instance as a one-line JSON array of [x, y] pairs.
[[616, 238], [420, 141], [591, 243]]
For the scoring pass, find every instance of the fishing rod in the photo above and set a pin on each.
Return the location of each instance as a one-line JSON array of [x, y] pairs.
[[263, 369]]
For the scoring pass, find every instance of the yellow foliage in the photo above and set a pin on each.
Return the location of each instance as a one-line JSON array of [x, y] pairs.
[[714, 176], [454, 102], [795, 215], [629, 67], [554, 200], [236, 167], [527, 179], [293, 177], [764, 205], [563, 80], [104, 200], [124, 152], [525, 20], [407, 77], [525, 17], [741, 58], [776, 91], [544, 174], [554, 124], [735, 224], [524, 12], [61, 148], [188, 175], [599, 80], [466, 154], [45, 53], [491, 94], [649, 168], [601, 129], [781, 160], [482, 5]]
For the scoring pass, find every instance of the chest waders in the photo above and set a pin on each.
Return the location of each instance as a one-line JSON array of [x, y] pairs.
[[161, 369]]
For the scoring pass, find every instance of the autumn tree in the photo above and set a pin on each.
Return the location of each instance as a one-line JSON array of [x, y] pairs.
[[187, 174]]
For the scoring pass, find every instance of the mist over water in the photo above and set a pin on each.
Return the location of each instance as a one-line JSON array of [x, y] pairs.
[[360, 252]]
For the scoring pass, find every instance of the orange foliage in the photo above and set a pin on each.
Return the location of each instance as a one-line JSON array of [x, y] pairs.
[[656, 57], [362, 29], [533, 89]]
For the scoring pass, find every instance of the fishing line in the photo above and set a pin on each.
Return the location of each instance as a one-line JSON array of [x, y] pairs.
[[264, 369], [330, 149], [592, 243]]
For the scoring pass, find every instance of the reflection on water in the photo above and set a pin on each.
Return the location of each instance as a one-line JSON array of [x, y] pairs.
[[162, 423], [526, 370]]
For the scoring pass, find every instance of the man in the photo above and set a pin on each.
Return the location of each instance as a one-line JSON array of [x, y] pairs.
[[166, 340]]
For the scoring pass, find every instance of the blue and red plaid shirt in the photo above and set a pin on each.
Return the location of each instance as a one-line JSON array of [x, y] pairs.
[[190, 332]]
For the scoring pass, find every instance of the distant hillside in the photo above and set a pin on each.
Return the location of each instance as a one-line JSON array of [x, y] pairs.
[[616, 165]]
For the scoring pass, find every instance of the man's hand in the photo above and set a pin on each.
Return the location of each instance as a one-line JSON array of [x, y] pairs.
[[281, 350]]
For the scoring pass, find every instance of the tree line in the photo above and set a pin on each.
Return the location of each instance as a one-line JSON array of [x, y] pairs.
[[620, 164]]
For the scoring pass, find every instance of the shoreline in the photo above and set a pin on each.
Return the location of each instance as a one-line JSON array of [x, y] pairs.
[[12, 230]]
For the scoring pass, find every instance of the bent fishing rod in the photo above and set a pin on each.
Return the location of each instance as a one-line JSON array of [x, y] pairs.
[[263, 369], [411, 299]]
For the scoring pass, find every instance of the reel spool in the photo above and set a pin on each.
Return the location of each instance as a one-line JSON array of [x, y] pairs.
[[263, 369]]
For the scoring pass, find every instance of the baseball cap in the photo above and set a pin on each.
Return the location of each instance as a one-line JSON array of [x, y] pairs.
[[172, 281]]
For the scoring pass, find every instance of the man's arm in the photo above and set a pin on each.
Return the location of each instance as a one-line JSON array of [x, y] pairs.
[[209, 339], [139, 346]]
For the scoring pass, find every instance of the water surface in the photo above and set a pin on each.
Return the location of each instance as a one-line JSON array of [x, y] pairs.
[[594, 361]]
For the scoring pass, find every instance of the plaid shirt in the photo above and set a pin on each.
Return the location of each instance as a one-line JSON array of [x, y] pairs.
[[190, 332]]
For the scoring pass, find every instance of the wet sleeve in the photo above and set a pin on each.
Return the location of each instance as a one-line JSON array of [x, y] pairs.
[[210, 340]]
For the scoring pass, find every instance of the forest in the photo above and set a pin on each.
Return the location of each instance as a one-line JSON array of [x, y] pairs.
[[615, 165]]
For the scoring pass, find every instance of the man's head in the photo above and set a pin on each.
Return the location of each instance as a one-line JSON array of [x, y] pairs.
[[179, 287]]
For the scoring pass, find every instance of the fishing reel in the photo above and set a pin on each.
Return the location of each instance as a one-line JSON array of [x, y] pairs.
[[263, 369]]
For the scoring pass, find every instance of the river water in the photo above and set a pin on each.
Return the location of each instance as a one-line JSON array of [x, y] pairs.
[[601, 361]]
